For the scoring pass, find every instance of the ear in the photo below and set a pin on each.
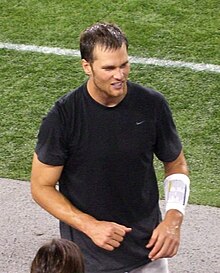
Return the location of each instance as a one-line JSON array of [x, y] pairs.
[[86, 67]]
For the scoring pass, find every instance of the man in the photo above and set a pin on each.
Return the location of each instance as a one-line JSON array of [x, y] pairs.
[[98, 141]]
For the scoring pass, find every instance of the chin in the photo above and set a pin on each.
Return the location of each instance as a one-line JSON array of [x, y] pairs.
[[117, 94]]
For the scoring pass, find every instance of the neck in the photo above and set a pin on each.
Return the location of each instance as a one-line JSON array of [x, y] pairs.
[[102, 97]]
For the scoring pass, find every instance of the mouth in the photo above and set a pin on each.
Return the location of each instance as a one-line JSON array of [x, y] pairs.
[[117, 85]]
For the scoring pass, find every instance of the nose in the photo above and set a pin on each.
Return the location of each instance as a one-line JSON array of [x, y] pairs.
[[119, 74]]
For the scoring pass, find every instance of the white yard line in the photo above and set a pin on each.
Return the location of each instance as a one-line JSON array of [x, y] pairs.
[[133, 59], [41, 49]]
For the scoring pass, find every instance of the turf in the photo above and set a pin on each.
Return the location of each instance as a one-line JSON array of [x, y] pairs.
[[31, 82]]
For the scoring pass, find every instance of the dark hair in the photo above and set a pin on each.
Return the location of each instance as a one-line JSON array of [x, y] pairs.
[[106, 35], [58, 256]]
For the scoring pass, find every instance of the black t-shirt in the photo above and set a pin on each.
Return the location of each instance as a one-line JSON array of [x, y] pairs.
[[107, 154]]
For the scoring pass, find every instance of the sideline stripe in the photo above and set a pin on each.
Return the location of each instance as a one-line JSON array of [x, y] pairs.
[[133, 59]]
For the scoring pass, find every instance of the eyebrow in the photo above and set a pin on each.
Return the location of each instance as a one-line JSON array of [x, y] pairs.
[[113, 66]]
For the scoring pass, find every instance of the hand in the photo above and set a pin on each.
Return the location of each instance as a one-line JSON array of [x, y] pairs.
[[165, 239], [107, 235]]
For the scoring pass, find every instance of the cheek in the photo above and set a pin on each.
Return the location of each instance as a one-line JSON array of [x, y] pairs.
[[104, 77], [127, 70]]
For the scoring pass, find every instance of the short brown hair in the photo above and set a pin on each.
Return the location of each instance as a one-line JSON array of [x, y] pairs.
[[106, 35], [58, 256]]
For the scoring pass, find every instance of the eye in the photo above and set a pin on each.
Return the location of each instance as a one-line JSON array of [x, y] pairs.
[[108, 68], [124, 65]]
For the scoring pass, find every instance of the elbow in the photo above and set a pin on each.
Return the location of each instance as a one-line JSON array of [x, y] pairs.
[[34, 190]]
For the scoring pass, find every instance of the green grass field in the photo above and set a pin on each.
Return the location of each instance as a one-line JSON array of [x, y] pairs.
[[186, 30]]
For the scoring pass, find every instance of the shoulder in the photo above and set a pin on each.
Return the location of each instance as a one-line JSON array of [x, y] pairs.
[[145, 94], [71, 97], [65, 107]]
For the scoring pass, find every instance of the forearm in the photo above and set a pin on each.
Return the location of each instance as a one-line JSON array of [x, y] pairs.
[[50, 199], [176, 184], [174, 218], [107, 235]]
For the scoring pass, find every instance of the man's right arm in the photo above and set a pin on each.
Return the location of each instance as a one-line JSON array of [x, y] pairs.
[[107, 235]]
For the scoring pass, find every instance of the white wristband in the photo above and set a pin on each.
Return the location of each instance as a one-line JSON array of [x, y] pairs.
[[176, 188]]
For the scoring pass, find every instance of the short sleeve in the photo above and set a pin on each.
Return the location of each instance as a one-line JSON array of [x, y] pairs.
[[51, 146], [168, 145]]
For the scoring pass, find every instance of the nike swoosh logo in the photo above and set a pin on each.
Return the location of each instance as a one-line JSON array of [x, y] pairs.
[[140, 122]]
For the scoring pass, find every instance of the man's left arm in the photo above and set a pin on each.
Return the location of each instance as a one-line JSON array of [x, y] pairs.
[[165, 238]]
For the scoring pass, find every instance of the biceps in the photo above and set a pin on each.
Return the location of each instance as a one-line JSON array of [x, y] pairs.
[[43, 174]]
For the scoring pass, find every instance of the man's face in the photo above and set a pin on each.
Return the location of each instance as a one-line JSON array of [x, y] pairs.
[[108, 75]]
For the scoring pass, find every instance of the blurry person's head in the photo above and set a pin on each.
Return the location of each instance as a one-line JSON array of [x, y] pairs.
[[58, 256]]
